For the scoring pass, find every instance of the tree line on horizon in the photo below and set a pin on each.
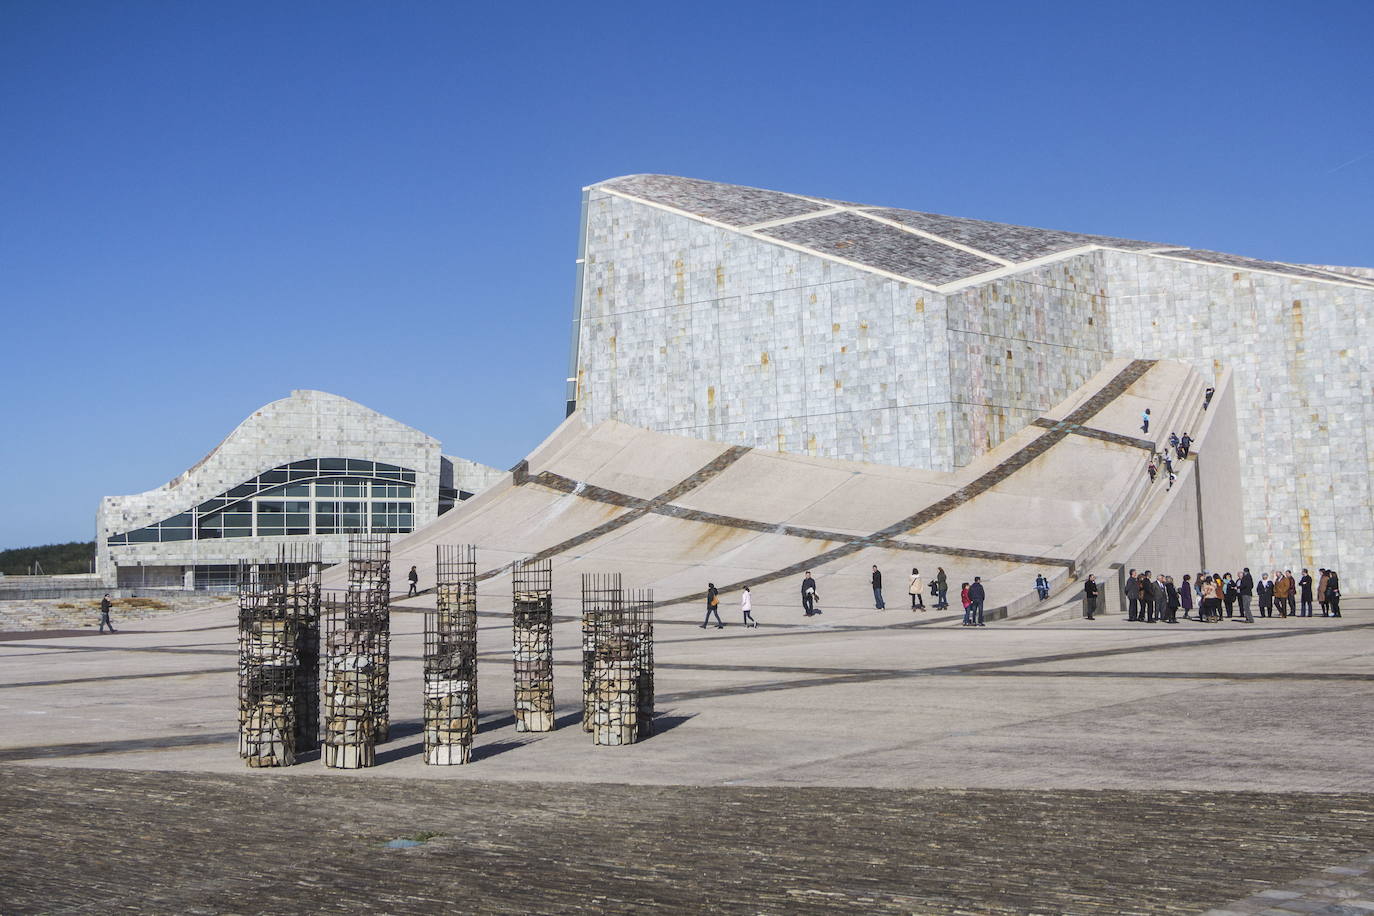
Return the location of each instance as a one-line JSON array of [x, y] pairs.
[[55, 559]]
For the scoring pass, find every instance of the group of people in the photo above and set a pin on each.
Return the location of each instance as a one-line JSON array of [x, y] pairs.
[[1157, 599], [1164, 459], [971, 594]]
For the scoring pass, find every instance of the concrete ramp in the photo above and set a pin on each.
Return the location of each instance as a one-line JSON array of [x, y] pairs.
[[675, 514]]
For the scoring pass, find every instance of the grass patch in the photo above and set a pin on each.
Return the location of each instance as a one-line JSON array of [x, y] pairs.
[[152, 604], [66, 606]]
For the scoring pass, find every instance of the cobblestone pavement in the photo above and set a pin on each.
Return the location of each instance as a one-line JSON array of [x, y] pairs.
[[87, 841]]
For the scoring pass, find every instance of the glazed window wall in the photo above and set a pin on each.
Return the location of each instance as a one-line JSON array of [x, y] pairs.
[[315, 496]]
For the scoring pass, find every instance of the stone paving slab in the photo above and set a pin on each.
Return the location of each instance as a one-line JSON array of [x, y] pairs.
[[107, 841]]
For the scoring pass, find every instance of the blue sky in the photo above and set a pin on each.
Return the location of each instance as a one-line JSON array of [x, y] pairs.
[[204, 206]]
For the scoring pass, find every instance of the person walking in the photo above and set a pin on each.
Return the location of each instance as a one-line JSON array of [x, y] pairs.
[[712, 606], [1246, 590], [877, 580], [1152, 470], [1173, 441], [414, 578], [1185, 596], [918, 603], [1305, 595], [1090, 598], [1281, 593], [1185, 444], [1145, 421], [976, 596], [105, 605], [1266, 596], [809, 596], [746, 605], [1131, 589], [1042, 586], [1321, 592], [941, 589], [1333, 592], [967, 603]]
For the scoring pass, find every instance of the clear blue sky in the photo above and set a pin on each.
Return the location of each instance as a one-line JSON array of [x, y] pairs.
[[206, 205]]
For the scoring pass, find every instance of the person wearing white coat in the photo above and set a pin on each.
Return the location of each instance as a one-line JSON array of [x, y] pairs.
[[746, 604], [917, 602]]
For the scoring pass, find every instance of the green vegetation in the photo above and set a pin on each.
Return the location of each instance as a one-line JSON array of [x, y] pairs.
[[56, 559]]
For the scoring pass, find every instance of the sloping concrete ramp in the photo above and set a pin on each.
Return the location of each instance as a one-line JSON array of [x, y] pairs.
[[674, 514]]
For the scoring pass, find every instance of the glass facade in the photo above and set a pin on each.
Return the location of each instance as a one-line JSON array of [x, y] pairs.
[[314, 496]]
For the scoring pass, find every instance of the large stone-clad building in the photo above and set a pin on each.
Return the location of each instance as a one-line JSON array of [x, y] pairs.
[[862, 332], [313, 466]]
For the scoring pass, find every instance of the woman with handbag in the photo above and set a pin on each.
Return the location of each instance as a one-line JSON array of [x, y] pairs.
[[917, 602]]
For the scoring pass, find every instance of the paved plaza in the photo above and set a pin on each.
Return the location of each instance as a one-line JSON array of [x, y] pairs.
[[860, 761]]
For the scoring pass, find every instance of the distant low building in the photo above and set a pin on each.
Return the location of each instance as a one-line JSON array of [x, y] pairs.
[[312, 465]]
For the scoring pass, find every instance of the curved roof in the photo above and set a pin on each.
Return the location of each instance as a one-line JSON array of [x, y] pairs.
[[928, 248]]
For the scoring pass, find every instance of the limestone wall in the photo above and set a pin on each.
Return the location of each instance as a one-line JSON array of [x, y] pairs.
[[1302, 353], [693, 329]]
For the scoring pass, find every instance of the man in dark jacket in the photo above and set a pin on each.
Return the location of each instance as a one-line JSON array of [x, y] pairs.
[[1090, 598], [1131, 589], [878, 590], [975, 597], [1145, 588], [1246, 587], [808, 594], [1171, 600], [105, 614], [1161, 591], [1305, 594], [414, 578], [1333, 592]]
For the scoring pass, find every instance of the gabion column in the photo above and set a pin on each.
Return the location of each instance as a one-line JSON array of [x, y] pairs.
[[601, 594], [532, 628], [642, 612], [451, 657], [357, 658], [620, 695], [353, 681], [279, 638], [367, 606]]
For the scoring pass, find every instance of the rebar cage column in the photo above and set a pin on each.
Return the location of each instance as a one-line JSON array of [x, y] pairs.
[[532, 635], [357, 658], [621, 689], [601, 594], [279, 643], [368, 606], [451, 657]]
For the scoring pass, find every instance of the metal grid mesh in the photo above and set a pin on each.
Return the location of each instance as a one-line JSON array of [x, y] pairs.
[[532, 629], [279, 646], [357, 658], [619, 697], [451, 657], [367, 606]]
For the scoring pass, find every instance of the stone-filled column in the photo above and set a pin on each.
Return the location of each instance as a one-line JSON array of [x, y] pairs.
[[367, 606], [451, 657], [352, 683], [642, 612], [620, 694], [279, 642], [358, 658], [532, 629]]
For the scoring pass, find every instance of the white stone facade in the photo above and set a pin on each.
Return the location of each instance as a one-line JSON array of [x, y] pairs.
[[693, 326], [308, 424]]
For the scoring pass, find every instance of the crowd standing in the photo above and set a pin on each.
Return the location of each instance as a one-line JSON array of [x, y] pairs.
[[1218, 596]]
